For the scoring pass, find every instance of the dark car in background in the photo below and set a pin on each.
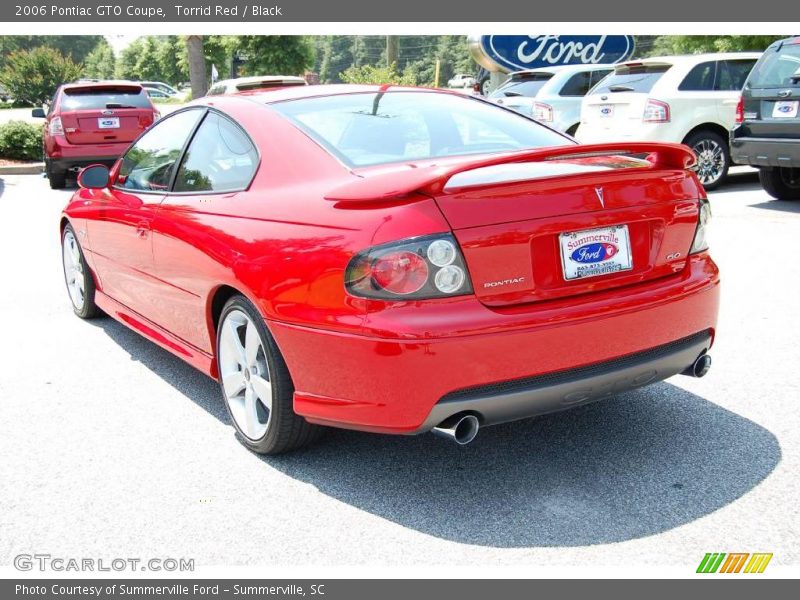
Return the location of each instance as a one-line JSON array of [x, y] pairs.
[[92, 122], [767, 130]]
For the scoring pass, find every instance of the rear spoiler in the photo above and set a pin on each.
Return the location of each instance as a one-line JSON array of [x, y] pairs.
[[433, 179]]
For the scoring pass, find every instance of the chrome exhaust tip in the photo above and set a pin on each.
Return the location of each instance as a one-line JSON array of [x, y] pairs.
[[460, 429], [700, 367]]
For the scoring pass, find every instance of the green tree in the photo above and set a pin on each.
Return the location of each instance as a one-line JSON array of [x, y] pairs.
[[695, 44], [370, 74], [32, 76], [75, 47], [272, 54], [100, 63], [127, 63], [169, 56]]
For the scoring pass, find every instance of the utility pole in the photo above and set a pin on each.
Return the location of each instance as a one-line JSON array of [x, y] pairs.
[[391, 50]]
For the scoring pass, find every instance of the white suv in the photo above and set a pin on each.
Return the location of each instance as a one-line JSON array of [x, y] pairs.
[[551, 95], [685, 99]]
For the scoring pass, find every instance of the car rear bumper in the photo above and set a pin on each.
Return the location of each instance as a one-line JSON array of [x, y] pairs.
[[765, 152], [521, 362], [62, 156]]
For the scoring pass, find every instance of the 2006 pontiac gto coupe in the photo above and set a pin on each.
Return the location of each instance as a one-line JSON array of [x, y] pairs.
[[395, 260]]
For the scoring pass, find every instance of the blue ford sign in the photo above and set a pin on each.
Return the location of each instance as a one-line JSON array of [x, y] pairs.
[[517, 52]]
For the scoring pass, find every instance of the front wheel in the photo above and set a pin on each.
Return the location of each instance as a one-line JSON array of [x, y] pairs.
[[255, 383], [713, 158], [782, 183], [78, 277]]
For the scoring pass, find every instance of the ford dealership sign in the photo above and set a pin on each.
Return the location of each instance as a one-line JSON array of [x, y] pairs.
[[517, 52]]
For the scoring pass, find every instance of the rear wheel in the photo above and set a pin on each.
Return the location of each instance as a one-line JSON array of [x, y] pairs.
[[782, 183], [57, 179], [78, 277], [713, 157], [255, 383]]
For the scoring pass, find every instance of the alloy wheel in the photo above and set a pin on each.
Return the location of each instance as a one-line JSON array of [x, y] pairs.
[[710, 160], [73, 270], [244, 373]]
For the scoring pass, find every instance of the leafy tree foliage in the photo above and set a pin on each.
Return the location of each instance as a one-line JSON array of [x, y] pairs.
[[377, 75], [32, 76], [695, 44], [100, 62]]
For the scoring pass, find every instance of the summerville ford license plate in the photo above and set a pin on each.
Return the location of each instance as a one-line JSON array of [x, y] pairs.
[[595, 252]]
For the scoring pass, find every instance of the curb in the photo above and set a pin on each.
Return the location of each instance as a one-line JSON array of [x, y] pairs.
[[22, 169]]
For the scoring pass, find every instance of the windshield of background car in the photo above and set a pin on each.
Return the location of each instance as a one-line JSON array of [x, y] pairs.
[[638, 78], [775, 69], [101, 98], [376, 128], [525, 86]]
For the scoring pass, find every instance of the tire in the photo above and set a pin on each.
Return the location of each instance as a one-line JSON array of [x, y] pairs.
[[77, 276], [782, 183], [713, 157], [57, 179], [251, 377]]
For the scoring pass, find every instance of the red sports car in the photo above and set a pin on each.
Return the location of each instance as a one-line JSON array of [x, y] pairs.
[[395, 260]]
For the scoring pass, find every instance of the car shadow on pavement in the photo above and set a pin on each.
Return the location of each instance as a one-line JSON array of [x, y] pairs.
[[633, 466], [791, 206]]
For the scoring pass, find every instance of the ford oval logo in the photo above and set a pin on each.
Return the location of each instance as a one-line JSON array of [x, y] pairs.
[[606, 110], [785, 109], [593, 253], [516, 52]]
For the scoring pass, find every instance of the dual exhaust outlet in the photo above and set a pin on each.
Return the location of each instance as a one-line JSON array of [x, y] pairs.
[[463, 428]]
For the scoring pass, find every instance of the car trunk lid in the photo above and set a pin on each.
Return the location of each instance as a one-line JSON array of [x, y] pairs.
[[105, 114], [550, 224]]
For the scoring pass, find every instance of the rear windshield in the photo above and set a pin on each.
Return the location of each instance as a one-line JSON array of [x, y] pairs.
[[639, 78], [775, 69], [98, 99], [375, 128], [527, 86]]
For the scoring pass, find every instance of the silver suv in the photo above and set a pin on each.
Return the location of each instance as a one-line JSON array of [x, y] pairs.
[[551, 95]]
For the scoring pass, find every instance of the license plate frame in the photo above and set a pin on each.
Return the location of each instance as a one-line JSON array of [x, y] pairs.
[[785, 109], [108, 123], [586, 253]]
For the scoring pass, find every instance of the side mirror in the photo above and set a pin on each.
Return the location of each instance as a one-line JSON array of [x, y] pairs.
[[38, 113], [94, 177]]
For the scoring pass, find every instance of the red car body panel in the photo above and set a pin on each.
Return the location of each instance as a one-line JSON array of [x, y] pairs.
[[161, 260]]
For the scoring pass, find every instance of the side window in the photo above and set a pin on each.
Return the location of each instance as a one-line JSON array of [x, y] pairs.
[[700, 78], [149, 164], [732, 74], [220, 158], [577, 85], [597, 76]]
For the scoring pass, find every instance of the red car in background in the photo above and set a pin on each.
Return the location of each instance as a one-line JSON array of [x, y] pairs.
[[395, 260], [93, 122]]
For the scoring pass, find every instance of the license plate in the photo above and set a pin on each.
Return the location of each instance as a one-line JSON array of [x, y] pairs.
[[785, 109], [108, 123], [606, 110], [595, 252]]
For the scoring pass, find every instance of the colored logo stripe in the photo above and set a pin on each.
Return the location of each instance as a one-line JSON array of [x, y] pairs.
[[734, 562]]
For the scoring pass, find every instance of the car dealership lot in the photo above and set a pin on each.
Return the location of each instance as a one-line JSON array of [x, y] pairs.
[[112, 447]]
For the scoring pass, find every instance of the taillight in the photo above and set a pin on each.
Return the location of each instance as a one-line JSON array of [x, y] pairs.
[[542, 112], [740, 110], [655, 111], [700, 242], [424, 267], [55, 127]]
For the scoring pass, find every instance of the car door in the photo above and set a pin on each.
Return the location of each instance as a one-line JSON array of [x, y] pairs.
[[731, 75], [191, 243], [120, 229], [696, 101]]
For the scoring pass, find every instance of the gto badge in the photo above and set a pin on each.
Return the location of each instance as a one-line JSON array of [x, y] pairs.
[[492, 284]]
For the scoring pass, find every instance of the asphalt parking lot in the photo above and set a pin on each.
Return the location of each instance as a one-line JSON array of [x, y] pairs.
[[111, 446]]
